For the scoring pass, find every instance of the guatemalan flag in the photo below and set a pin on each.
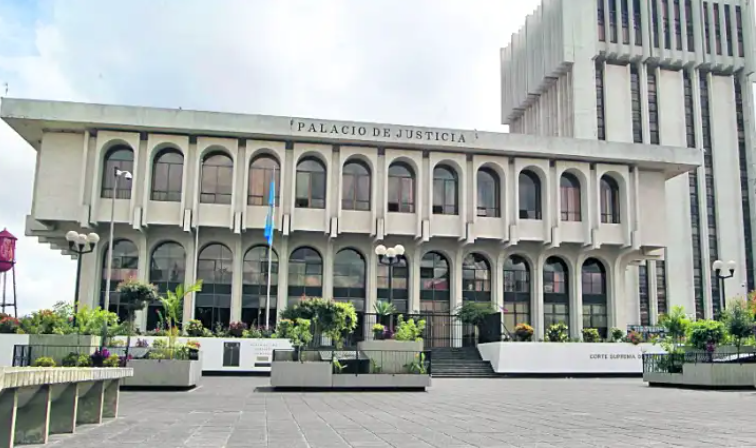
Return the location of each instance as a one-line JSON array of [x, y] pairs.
[[270, 223]]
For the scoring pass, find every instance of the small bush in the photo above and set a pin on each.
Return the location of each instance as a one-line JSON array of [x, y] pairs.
[[9, 324], [409, 330], [557, 333], [591, 335], [634, 338], [44, 361], [112, 361], [617, 334], [237, 329], [523, 332], [703, 334], [160, 343], [195, 329], [253, 333]]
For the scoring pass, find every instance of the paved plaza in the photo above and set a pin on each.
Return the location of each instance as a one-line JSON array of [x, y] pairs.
[[241, 412]]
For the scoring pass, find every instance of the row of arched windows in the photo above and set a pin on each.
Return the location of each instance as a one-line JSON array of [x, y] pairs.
[[311, 186], [215, 268]]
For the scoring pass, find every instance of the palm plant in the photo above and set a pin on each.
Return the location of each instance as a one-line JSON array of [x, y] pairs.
[[173, 302], [385, 310]]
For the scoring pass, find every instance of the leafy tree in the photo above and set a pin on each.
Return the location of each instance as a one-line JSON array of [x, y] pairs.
[[739, 322], [675, 324], [173, 303], [334, 319], [703, 334]]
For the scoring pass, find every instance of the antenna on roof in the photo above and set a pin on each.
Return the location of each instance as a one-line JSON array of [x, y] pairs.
[[6, 89]]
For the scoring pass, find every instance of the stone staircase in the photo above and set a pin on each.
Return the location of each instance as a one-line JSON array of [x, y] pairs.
[[463, 362]]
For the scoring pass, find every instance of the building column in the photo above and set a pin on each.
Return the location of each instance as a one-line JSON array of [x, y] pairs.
[[371, 280], [328, 257], [140, 316], [190, 275], [455, 296], [576, 298], [282, 300], [536, 297], [653, 295], [414, 292], [237, 278], [616, 314]]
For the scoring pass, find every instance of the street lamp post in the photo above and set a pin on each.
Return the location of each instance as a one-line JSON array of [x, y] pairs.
[[390, 257], [80, 244], [106, 305], [718, 267]]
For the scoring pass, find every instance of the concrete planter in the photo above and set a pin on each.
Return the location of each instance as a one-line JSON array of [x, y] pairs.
[[58, 346], [402, 381], [390, 356], [714, 375], [164, 373], [301, 374]]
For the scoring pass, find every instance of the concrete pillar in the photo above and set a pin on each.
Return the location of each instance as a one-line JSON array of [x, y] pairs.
[[32, 416], [111, 395], [89, 410], [536, 291], [576, 299], [63, 411], [7, 417]]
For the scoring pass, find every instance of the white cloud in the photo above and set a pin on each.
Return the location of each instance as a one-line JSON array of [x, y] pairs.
[[422, 62]]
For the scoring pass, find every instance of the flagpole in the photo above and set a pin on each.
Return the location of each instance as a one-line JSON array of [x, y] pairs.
[[270, 248]]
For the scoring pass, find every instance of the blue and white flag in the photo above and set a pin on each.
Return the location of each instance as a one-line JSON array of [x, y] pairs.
[[270, 223]]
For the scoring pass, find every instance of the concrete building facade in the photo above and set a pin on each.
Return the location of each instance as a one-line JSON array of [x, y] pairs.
[[656, 72], [544, 227]]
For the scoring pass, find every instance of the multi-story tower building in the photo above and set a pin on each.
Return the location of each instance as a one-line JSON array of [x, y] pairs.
[[655, 72]]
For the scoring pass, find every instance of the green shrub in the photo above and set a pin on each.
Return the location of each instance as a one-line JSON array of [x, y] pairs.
[[253, 333], [195, 329], [523, 332], [112, 361], [474, 313], [591, 335], [44, 361], [75, 359], [159, 343], [9, 324], [704, 333], [409, 330], [334, 319], [739, 322], [617, 334], [557, 333]]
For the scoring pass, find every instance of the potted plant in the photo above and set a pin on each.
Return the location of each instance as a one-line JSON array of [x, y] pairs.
[[134, 295], [378, 332], [557, 332], [297, 331], [385, 311], [591, 335], [474, 313], [523, 332], [616, 335]]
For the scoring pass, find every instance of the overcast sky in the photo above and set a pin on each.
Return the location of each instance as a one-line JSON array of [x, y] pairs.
[[420, 62]]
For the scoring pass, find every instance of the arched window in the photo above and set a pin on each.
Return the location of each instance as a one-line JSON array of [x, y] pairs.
[[530, 195], [117, 158], [305, 274], [569, 192], [216, 184], [444, 191], [476, 278], [401, 188], [610, 204], [255, 286], [167, 176], [311, 183], [263, 170], [399, 284], [215, 266], [556, 293], [516, 292], [355, 187], [488, 193], [167, 271], [594, 296], [434, 283], [125, 265], [349, 278]]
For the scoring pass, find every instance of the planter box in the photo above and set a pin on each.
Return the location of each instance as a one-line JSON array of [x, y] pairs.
[[301, 374], [402, 381], [555, 358], [58, 346], [719, 374], [164, 373], [390, 356], [714, 375]]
